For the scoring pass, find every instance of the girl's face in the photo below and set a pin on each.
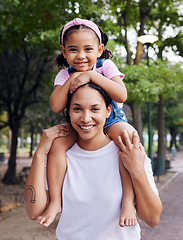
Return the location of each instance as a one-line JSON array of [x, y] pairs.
[[88, 113], [82, 49]]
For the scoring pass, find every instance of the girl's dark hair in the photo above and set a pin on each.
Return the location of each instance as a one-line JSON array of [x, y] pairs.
[[92, 85], [62, 62]]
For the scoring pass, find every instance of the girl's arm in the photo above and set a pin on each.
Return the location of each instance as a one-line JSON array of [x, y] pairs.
[[115, 88], [58, 98], [36, 197], [148, 204]]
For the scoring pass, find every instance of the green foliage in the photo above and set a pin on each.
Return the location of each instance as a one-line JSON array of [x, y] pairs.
[[146, 84], [137, 83], [164, 15], [25, 22], [34, 27], [174, 113]]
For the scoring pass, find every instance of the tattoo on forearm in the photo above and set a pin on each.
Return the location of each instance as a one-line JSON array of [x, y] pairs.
[[30, 188]]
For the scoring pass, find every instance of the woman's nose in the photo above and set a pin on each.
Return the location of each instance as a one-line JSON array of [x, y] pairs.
[[86, 117]]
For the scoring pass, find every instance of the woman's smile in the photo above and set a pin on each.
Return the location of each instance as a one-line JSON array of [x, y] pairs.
[[86, 127], [88, 113]]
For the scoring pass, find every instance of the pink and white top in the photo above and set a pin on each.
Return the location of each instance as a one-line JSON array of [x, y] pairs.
[[108, 69]]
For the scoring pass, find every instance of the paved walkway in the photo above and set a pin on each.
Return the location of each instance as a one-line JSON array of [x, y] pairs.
[[171, 194]]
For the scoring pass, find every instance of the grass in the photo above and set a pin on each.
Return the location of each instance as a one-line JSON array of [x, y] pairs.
[[4, 149]]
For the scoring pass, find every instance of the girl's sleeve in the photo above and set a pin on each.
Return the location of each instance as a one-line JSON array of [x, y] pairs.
[[110, 70], [61, 77]]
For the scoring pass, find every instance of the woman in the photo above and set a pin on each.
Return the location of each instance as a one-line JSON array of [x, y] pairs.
[[92, 191]]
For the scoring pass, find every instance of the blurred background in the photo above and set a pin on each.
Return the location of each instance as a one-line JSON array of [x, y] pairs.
[[153, 68]]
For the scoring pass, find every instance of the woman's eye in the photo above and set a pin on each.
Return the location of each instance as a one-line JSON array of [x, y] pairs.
[[72, 50], [77, 109]]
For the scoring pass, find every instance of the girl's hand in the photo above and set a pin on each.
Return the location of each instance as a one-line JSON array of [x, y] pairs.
[[132, 153], [80, 80], [48, 136]]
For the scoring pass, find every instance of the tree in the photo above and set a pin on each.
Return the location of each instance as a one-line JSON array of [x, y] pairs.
[[147, 84], [174, 106], [29, 30], [155, 17], [38, 117], [174, 118], [30, 37], [167, 16], [29, 40], [20, 87]]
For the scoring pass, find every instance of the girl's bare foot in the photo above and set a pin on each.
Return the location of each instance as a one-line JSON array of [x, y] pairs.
[[128, 216], [49, 215]]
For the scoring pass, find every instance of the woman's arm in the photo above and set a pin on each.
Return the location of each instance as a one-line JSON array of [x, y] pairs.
[[36, 197], [114, 86], [58, 98], [148, 204]]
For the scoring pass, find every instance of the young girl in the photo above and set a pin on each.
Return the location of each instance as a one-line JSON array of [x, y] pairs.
[[84, 59]]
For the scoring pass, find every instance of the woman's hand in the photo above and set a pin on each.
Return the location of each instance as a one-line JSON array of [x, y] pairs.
[[79, 80], [49, 135], [132, 153]]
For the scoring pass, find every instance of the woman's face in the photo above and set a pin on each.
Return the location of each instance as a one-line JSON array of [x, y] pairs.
[[88, 113]]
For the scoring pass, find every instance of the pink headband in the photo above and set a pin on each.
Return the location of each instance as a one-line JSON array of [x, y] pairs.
[[78, 21]]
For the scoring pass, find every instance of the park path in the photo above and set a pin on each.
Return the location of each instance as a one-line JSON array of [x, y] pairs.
[[171, 194]]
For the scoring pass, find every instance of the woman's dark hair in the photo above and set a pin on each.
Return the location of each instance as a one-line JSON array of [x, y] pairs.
[[92, 85], [62, 62]]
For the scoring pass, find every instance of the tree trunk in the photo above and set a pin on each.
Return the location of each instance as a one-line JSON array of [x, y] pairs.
[[32, 141], [181, 139], [10, 175], [137, 121], [129, 53], [161, 130], [139, 53]]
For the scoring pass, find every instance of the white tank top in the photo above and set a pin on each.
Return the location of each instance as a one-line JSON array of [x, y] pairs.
[[92, 193]]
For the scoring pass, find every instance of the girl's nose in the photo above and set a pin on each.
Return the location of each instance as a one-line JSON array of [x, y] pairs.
[[81, 55], [86, 117]]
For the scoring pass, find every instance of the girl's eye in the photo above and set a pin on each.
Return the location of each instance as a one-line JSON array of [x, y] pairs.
[[95, 109], [89, 49]]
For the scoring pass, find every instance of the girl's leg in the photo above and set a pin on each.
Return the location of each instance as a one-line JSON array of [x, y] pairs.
[[128, 216], [56, 169]]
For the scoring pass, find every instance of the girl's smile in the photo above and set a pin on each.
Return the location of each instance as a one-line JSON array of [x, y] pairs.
[[82, 49]]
